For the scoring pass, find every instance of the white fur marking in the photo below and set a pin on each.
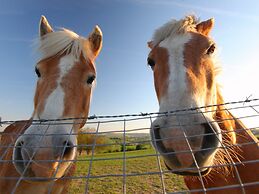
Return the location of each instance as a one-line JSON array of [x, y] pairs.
[[54, 105], [65, 64], [176, 96]]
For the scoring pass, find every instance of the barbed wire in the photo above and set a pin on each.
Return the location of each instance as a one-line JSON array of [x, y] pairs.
[[87, 177], [92, 117]]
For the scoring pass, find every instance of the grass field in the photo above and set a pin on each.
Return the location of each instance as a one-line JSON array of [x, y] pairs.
[[110, 166]]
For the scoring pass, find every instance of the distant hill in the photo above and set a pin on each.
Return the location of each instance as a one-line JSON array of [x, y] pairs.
[[132, 135]]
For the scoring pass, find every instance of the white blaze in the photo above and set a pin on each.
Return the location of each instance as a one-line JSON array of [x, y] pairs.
[[54, 104], [176, 96]]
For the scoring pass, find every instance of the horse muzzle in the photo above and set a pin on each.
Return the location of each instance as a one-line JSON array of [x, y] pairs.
[[188, 150], [49, 159]]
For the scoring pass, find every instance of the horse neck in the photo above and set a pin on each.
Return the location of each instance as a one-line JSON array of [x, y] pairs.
[[237, 137], [11, 133], [8, 138], [233, 129], [247, 143], [246, 148]]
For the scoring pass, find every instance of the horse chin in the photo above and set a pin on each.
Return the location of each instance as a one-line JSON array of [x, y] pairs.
[[34, 180], [204, 172], [44, 174], [38, 178]]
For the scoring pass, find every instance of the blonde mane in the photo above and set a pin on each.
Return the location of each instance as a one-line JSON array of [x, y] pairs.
[[63, 42], [175, 27]]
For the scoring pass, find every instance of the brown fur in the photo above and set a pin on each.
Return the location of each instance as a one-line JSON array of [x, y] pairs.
[[248, 173], [161, 73], [76, 79], [47, 83], [200, 68]]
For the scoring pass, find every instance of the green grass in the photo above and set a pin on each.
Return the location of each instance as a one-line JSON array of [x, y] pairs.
[[135, 183]]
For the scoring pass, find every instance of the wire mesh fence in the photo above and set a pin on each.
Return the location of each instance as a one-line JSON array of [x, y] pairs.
[[115, 154]]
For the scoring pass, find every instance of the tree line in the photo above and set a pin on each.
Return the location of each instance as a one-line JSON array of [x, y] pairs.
[[89, 142]]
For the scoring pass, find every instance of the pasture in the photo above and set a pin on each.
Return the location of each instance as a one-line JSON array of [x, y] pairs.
[[141, 168]]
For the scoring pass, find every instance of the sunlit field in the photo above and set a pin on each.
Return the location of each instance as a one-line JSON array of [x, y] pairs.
[[106, 175]]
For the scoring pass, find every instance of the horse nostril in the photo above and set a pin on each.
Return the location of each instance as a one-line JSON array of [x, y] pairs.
[[156, 127], [67, 149], [18, 159], [158, 140], [18, 151], [210, 139], [157, 132]]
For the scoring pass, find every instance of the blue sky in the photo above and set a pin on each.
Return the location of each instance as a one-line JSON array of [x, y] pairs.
[[124, 82]]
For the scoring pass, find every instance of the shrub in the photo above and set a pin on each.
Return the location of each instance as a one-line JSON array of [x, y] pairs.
[[130, 148], [86, 140], [141, 147]]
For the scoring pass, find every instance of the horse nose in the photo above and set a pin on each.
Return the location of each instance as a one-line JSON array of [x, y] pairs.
[[21, 156], [26, 151], [180, 150]]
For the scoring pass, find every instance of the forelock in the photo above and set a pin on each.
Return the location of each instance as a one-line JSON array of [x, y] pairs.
[[63, 42], [174, 27]]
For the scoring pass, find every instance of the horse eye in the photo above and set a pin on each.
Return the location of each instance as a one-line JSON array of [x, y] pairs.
[[151, 62], [211, 49], [90, 79], [37, 72]]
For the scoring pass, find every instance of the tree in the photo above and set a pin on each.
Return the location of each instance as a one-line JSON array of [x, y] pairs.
[[140, 147], [88, 139]]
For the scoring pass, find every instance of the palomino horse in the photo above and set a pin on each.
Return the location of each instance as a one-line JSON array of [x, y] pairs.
[[211, 148], [43, 155]]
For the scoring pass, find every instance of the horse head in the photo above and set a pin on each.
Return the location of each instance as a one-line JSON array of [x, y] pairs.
[[66, 75]]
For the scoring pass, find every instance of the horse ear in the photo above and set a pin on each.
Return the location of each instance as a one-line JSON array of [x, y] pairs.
[[44, 27], [205, 27], [150, 44], [96, 39]]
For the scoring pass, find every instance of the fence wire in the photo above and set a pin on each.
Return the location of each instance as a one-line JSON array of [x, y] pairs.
[[117, 156]]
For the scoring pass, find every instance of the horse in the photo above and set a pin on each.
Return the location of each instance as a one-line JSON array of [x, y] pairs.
[[208, 145], [39, 157]]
